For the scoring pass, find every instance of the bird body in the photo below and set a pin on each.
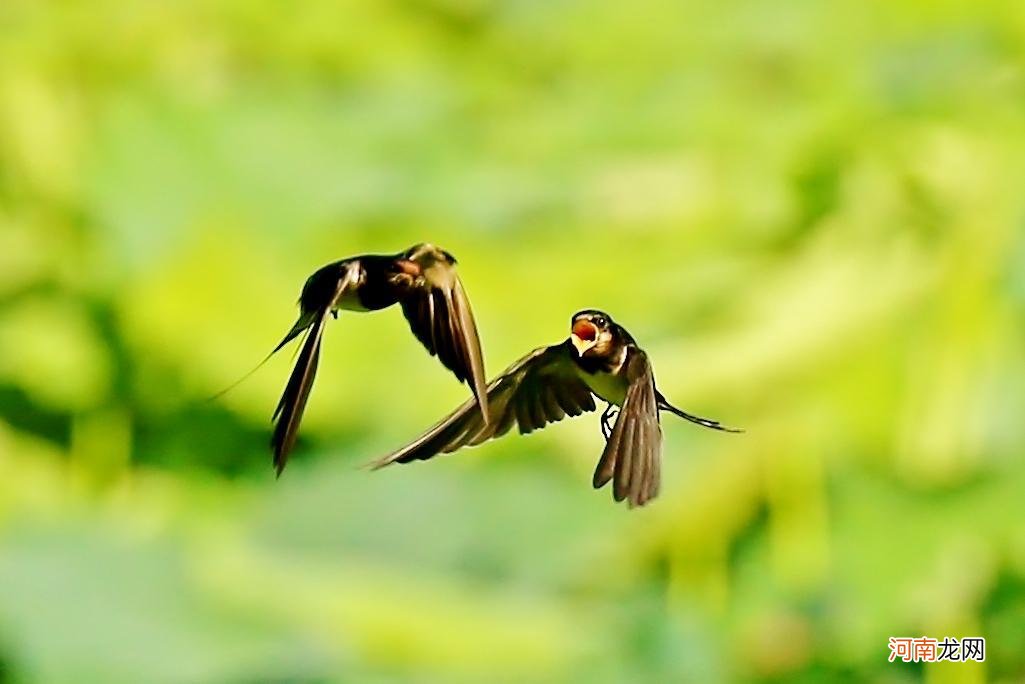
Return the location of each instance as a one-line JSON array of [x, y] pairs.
[[423, 281], [609, 387], [604, 376], [375, 285], [601, 359]]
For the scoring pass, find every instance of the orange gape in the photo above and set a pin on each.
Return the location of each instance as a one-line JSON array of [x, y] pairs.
[[409, 267], [585, 330]]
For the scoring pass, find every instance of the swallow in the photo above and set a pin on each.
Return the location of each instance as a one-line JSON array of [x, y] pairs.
[[599, 359], [423, 281]]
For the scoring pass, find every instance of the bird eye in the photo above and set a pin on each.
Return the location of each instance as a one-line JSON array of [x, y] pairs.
[[599, 321]]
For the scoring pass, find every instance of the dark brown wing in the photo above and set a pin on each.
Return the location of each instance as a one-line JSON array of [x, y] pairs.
[[542, 387], [633, 454], [290, 408], [439, 314]]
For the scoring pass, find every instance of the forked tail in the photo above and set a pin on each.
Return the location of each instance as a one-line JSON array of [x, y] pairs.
[[664, 405], [302, 324]]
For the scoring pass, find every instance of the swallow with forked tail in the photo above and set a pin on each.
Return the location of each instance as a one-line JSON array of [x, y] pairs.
[[424, 282], [599, 359]]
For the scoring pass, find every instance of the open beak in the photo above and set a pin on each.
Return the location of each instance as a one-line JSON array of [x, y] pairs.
[[581, 344], [410, 267], [584, 336]]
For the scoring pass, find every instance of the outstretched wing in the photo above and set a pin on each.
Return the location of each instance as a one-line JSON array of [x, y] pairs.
[[542, 387], [633, 454], [439, 314], [290, 408]]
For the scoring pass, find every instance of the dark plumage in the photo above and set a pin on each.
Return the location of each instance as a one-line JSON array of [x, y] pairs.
[[601, 359], [423, 281]]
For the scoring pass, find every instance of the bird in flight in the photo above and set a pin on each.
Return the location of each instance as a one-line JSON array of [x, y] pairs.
[[599, 359], [424, 282]]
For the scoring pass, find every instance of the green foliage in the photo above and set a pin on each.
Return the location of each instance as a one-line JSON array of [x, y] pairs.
[[810, 214]]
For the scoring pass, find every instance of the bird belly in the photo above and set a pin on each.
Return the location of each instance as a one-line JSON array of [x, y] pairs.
[[349, 301], [607, 386]]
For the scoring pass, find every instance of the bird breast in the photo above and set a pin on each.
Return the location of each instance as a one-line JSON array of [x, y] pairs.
[[608, 386]]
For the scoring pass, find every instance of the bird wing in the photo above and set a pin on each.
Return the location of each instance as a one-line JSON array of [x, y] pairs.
[[290, 408], [543, 387], [440, 316], [632, 456]]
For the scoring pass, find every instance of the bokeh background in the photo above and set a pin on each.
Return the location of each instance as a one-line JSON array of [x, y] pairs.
[[810, 214]]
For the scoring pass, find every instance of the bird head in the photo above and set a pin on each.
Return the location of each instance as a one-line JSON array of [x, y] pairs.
[[424, 255], [592, 332]]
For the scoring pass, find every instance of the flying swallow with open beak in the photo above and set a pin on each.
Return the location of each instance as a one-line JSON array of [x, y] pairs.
[[599, 359], [424, 282]]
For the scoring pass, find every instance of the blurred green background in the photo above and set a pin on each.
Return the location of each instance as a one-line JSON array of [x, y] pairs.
[[810, 214]]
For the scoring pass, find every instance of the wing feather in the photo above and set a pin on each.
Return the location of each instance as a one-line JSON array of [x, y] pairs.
[[624, 455], [525, 395], [632, 456], [440, 316]]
